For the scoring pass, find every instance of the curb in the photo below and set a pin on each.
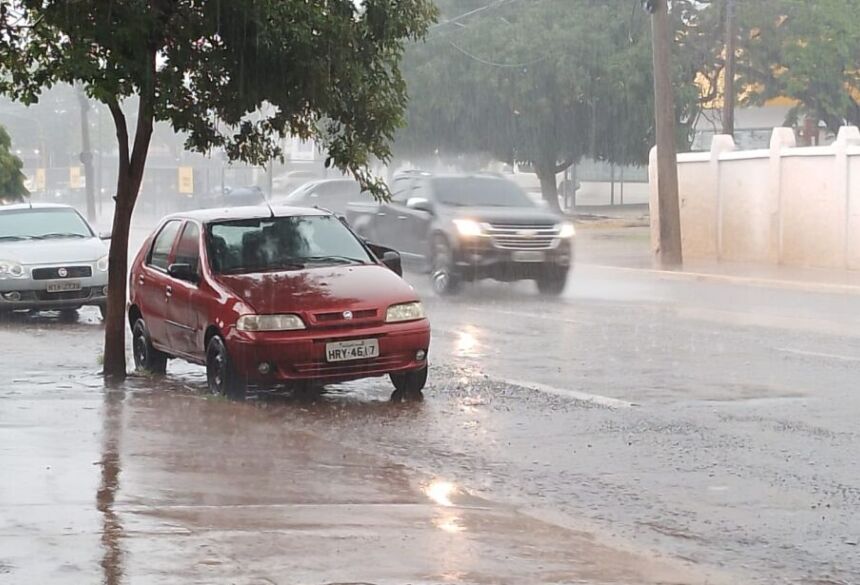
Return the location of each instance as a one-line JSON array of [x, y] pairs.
[[759, 282]]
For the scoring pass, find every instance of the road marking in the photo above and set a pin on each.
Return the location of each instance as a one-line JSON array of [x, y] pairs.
[[574, 394], [832, 356]]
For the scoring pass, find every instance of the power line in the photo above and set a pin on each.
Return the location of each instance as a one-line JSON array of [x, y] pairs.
[[491, 5], [495, 64]]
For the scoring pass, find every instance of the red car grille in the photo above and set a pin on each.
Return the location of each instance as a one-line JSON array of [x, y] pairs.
[[337, 319], [338, 315], [349, 368]]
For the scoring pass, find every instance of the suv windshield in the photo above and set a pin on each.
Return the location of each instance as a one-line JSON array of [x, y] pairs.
[[480, 192], [26, 224], [281, 243]]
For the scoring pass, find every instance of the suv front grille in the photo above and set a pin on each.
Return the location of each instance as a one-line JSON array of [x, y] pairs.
[[515, 236], [54, 272]]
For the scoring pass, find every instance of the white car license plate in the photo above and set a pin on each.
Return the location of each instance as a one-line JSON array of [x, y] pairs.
[[528, 256], [64, 286], [344, 351]]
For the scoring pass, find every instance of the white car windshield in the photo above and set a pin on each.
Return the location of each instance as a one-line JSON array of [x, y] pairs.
[[41, 224]]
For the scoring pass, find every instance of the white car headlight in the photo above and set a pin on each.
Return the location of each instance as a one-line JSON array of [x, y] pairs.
[[269, 323], [404, 312], [468, 227], [11, 269], [566, 230], [102, 264]]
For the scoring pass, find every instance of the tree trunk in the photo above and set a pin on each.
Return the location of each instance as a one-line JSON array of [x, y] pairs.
[[114, 350], [87, 156], [131, 167], [548, 187]]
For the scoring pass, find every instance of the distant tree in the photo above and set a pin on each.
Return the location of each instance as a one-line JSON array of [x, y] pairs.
[[235, 75], [542, 82], [12, 187], [807, 51]]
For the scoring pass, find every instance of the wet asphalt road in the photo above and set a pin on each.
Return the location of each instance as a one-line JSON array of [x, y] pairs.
[[637, 430]]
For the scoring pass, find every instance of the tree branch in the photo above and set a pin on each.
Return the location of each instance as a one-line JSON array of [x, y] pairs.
[[143, 130], [121, 131], [564, 165]]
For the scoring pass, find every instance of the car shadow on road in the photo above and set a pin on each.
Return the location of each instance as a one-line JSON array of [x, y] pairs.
[[372, 395], [27, 320]]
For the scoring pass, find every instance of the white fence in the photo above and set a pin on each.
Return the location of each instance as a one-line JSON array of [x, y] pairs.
[[782, 205]]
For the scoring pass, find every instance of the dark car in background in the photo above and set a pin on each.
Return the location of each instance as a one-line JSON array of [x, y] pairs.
[[331, 194], [462, 228], [244, 196]]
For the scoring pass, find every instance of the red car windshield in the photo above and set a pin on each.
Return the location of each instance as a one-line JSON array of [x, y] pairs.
[[281, 243]]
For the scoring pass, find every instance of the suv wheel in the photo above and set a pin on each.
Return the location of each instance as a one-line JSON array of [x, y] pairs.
[[409, 385], [442, 275], [221, 375], [146, 357], [552, 282]]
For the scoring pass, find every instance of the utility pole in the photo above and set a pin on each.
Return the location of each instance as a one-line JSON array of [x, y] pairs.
[[669, 214], [86, 155], [729, 97]]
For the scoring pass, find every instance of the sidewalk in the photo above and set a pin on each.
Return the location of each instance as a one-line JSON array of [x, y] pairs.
[[628, 249]]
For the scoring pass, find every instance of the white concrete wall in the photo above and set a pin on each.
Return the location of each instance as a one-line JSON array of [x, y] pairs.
[[782, 205]]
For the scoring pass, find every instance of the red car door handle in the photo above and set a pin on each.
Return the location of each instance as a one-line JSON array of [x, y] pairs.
[[140, 279], [168, 291]]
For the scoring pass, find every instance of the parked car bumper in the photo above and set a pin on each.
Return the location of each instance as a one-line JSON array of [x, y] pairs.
[[300, 356], [27, 294]]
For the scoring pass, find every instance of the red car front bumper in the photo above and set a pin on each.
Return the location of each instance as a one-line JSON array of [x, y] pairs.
[[300, 356]]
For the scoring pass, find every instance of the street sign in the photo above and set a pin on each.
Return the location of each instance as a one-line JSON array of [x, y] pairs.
[[76, 178], [186, 180]]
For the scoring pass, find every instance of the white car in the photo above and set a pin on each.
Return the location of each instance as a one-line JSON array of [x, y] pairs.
[[50, 259]]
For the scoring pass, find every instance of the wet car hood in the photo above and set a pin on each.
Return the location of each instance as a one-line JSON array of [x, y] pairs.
[[320, 288], [527, 215], [54, 251]]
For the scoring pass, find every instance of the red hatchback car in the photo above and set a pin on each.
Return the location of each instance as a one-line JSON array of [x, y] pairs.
[[271, 297]]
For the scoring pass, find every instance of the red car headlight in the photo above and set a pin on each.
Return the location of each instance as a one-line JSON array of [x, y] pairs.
[[404, 312], [269, 323]]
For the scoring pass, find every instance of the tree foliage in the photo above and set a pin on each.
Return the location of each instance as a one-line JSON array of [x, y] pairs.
[[807, 51], [543, 82], [11, 178], [237, 75]]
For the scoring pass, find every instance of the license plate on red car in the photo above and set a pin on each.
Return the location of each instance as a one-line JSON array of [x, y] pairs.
[[359, 349]]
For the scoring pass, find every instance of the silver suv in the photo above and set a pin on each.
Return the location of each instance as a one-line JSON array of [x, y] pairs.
[[50, 259]]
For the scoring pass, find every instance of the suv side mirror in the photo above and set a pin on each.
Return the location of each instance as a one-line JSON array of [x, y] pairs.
[[420, 204], [105, 235], [183, 272]]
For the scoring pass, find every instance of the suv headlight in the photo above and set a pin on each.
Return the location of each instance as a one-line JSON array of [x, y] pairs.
[[566, 230], [269, 323], [102, 264], [404, 312], [11, 269], [468, 228]]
